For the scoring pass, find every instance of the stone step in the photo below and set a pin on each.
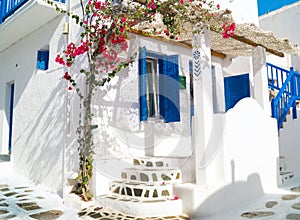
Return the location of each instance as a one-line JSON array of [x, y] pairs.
[[282, 164], [134, 207], [4, 157], [284, 177], [162, 163], [152, 176], [141, 192]]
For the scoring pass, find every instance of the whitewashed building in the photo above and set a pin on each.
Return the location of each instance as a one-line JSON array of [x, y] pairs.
[[283, 22], [221, 136]]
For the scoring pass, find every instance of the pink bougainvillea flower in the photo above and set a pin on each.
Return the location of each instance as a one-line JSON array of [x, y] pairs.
[[60, 60], [123, 19], [228, 30]]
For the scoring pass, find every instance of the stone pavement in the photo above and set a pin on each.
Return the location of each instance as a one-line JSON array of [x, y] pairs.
[[21, 199], [99, 212], [24, 200]]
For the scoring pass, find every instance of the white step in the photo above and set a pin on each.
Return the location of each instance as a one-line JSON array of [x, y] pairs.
[[142, 209], [284, 177], [163, 163], [152, 176], [141, 192]]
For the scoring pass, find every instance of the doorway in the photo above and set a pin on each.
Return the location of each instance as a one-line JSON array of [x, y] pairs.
[[11, 88]]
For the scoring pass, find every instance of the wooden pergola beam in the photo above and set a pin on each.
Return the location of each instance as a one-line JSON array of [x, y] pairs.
[[252, 43], [178, 43]]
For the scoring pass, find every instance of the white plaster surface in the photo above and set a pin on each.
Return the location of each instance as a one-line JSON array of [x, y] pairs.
[[242, 11], [283, 22], [239, 162], [289, 143]]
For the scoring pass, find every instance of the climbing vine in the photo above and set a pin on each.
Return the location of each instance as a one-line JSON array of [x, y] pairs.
[[105, 28]]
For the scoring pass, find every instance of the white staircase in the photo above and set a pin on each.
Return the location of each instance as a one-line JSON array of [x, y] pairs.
[[284, 175], [146, 189]]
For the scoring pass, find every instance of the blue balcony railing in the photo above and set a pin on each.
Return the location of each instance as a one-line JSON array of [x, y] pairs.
[[8, 7], [287, 83]]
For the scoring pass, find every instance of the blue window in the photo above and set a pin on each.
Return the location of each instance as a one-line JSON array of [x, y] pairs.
[[42, 59], [236, 88], [159, 87]]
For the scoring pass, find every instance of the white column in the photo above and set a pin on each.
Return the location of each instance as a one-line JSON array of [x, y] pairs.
[[203, 100], [260, 79]]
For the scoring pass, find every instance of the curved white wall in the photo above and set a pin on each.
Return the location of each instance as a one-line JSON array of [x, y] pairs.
[[242, 161]]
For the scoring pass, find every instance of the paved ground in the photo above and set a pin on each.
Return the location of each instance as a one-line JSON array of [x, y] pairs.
[[24, 200]]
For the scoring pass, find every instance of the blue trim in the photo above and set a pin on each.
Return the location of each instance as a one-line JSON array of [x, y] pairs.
[[236, 88], [143, 85], [288, 85], [42, 59], [169, 88], [151, 54], [9, 7], [11, 110]]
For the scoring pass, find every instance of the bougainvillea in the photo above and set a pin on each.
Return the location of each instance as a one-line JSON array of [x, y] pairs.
[[106, 26]]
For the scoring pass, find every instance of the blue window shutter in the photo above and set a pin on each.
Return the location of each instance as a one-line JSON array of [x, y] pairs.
[[236, 88], [169, 88], [143, 85], [42, 59]]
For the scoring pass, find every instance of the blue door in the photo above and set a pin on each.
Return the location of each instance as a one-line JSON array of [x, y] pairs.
[[236, 88], [11, 110]]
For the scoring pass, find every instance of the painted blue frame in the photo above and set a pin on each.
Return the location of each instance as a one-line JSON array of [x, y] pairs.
[[236, 88], [11, 110], [169, 101], [8, 7]]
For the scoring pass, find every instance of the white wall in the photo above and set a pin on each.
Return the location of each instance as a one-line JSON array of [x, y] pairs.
[[40, 106], [121, 135], [289, 143], [283, 23], [242, 11], [242, 162]]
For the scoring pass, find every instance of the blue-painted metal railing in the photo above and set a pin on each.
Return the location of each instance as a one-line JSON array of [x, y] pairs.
[[8, 7], [276, 76], [288, 85]]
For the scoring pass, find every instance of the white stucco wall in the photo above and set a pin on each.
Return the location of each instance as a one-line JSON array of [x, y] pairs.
[[39, 135], [283, 23], [289, 143], [242, 161], [121, 135], [242, 11]]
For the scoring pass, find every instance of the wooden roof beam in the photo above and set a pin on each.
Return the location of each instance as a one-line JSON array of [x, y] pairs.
[[252, 43]]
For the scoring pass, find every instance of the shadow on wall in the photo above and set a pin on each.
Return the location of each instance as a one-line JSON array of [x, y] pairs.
[[39, 148], [120, 133], [233, 195]]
